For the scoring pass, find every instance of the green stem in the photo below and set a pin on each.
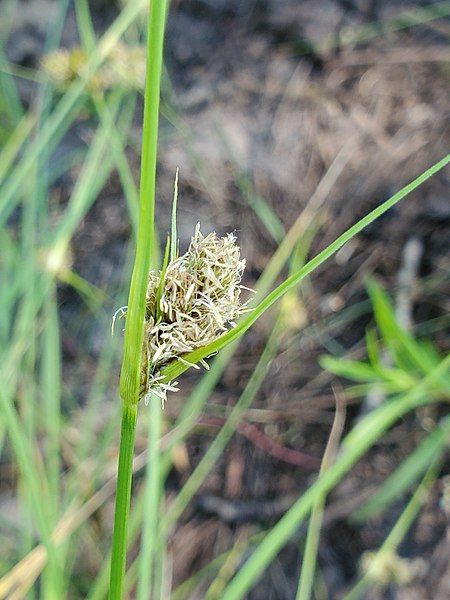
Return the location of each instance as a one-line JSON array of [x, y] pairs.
[[134, 330], [152, 502], [123, 496], [308, 569], [385, 554], [355, 445]]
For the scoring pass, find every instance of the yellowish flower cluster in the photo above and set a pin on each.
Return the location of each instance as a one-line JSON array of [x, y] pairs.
[[198, 299], [124, 67]]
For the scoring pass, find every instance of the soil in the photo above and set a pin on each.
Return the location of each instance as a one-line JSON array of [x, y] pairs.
[[265, 101]]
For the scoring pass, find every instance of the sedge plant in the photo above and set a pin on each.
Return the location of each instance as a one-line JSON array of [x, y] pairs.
[[178, 316], [134, 334]]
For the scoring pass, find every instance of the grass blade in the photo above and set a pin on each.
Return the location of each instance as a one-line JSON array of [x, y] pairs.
[[357, 442], [385, 554], [409, 471], [175, 369], [315, 523]]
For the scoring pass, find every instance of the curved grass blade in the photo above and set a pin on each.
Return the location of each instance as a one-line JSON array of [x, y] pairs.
[[407, 473], [173, 370], [355, 445]]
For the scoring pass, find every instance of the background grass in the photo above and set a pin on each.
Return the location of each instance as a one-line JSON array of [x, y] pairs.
[[58, 433]]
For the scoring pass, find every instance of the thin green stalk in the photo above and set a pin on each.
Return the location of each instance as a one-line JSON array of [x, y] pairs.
[[27, 399], [401, 480], [11, 149], [87, 37], [123, 496], [152, 501], [229, 564], [85, 26], [134, 329], [51, 385], [398, 532], [355, 445], [315, 523], [9, 96]]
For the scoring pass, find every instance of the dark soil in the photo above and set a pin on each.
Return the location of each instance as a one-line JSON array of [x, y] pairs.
[[262, 105]]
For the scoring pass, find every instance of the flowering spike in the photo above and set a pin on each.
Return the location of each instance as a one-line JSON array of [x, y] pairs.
[[190, 302]]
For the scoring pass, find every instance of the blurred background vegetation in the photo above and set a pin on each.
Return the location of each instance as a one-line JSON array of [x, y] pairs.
[[289, 121]]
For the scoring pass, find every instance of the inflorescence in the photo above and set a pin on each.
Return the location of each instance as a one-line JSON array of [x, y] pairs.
[[124, 67], [189, 305]]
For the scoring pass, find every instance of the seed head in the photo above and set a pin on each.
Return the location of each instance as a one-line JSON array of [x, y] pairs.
[[198, 299], [124, 67]]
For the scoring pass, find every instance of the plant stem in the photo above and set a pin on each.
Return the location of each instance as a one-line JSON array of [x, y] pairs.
[[398, 532], [355, 445], [152, 502], [123, 495], [134, 329], [308, 569]]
